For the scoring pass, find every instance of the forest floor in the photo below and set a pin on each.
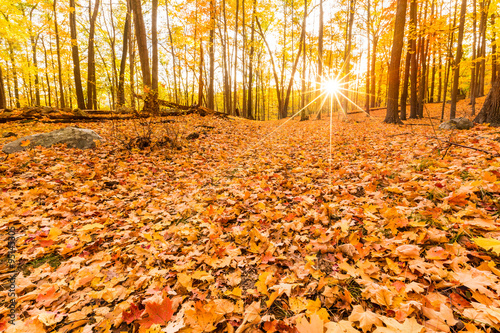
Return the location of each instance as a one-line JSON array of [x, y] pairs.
[[279, 226]]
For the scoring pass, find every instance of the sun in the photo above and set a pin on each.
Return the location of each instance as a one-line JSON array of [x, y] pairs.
[[331, 87]]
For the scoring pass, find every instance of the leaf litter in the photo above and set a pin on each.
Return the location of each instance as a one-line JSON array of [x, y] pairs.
[[394, 232]]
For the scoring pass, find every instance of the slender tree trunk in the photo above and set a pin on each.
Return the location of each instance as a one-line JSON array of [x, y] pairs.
[[91, 77], [347, 52], [47, 74], [14, 74], [114, 77], [250, 64], [123, 62], [367, 102], [172, 52], [392, 116], [433, 76], [211, 54], [284, 111], [493, 51], [58, 50], [413, 61], [235, 86], [473, 91], [132, 65], [454, 91], [76, 57], [404, 93], [154, 42], [3, 101], [440, 72], [243, 60], [303, 115], [275, 73], [374, 59], [34, 42], [451, 37], [226, 63], [424, 40]]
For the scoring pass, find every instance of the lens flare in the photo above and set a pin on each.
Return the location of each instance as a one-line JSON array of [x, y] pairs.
[[332, 87]]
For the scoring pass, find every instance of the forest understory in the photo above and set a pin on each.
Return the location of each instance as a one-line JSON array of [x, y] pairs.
[[279, 226]]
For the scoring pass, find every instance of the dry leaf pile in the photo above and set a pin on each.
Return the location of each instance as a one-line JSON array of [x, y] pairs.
[[240, 232]]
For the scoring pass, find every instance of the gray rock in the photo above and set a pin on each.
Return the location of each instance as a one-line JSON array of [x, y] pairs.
[[73, 137], [457, 123]]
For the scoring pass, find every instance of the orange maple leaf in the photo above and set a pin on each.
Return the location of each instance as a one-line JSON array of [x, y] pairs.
[[25, 143], [132, 314], [159, 313]]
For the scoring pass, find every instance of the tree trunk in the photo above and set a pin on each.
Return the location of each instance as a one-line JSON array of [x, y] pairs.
[[58, 50], [172, 52], [123, 62], [47, 75], [132, 64], [142, 44], [75, 55], [303, 115], [490, 112], [451, 37], [284, 111], [154, 42], [392, 116], [91, 77], [226, 63], [404, 93], [211, 54], [250, 64], [493, 51], [473, 67], [3, 101], [367, 102], [14, 74], [454, 91], [413, 61], [275, 73], [235, 86], [374, 59], [347, 53]]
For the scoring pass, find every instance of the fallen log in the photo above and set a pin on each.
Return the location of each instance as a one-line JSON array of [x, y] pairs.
[[182, 110]]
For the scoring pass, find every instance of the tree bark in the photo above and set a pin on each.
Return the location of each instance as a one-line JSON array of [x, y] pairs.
[[3, 100], [250, 64], [91, 77], [490, 112], [58, 50], [454, 91], [392, 116], [211, 54], [154, 42], [284, 111], [303, 115], [235, 86], [367, 102], [123, 62], [172, 52], [413, 61], [75, 55], [404, 92]]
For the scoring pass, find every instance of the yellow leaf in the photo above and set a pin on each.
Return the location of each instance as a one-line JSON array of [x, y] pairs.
[[54, 233], [315, 326], [91, 226], [297, 304], [488, 244], [25, 143], [272, 298]]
